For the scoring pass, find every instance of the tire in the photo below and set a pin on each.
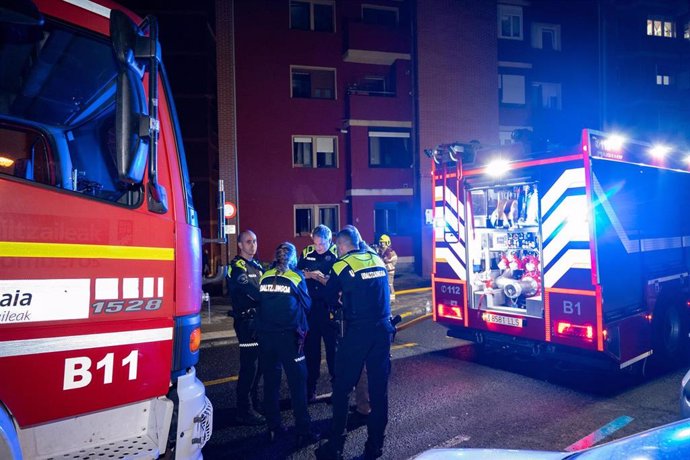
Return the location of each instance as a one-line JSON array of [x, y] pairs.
[[670, 339], [9, 442]]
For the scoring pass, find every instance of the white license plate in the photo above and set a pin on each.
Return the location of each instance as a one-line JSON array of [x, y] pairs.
[[504, 320]]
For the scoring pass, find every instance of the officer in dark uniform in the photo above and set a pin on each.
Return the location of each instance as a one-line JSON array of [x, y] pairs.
[[316, 262], [282, 324], [361, 276], [244, 274]]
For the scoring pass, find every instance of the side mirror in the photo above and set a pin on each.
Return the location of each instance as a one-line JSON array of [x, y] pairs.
[[131, 113]]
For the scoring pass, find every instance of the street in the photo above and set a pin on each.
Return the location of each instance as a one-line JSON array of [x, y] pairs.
[[443, 395]]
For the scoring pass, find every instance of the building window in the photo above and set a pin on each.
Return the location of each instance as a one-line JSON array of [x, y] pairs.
[[546, 36], [316, 15], [661, 28], [390, 149], [511, 89], [314, 152], [313, 83], [547, 95], [663, 80], [510, 22], [380, 15], [386, 219], [309, 216]]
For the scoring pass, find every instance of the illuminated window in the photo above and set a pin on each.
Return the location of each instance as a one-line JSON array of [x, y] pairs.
[[314, 152], [546, 36], [510, 22], [686, 31], [390, 148], [309, 216], [313, 83], [661, 28], [663, 80], [316, 15], [511, 89]]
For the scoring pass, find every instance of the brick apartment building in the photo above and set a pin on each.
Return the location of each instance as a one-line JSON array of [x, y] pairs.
[[326, 98], [318, 111], [615, 65]]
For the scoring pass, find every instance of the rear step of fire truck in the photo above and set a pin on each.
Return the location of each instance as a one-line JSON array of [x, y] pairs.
[[140, 431]]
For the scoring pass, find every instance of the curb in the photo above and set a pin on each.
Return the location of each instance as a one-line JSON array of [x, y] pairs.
[[212, 339]]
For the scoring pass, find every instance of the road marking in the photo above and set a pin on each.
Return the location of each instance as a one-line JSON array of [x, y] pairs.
[[412, 291], [232, 378], [598, 435]]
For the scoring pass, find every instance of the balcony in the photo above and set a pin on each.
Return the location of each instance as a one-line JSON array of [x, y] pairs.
[[382, 98], [375, 44]]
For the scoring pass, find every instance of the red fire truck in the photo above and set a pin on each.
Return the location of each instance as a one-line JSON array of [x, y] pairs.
[[582, 253], [100, 269]]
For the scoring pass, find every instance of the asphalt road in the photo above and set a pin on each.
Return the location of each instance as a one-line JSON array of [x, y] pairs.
[[443, 395]]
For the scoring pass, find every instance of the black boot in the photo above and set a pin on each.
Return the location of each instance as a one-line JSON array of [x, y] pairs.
[[310, 437], [249, 417], [329, 451], [372, 450], [257, 405], [274, 433]]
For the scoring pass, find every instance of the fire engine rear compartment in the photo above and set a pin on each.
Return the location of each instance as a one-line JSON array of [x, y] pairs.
[[596, 267], [504, 249]]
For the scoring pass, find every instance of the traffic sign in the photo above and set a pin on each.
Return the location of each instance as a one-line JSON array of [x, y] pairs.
[[230, 210]]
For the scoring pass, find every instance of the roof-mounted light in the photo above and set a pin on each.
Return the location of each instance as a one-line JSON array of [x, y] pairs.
[[659, 151], [614, 143], [498, 167]]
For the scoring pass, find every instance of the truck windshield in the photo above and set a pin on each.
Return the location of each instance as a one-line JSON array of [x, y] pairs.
[[57, 110]]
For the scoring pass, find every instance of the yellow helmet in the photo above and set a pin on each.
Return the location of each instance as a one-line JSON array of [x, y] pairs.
[[385, 240]]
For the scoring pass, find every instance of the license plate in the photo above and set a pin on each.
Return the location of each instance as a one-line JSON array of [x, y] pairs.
[[504, 320]]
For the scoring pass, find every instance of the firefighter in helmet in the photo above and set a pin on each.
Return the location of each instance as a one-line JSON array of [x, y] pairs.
[[390, 258]]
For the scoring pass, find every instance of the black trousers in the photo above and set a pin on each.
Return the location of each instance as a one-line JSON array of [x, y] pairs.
[[370, 345], [249, 374], [279, 351], [320, 327]]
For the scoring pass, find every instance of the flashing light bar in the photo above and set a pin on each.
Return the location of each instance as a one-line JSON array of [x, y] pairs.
[[449, 311], [498, 167], [575, 330], [614, 143], [659, 151]]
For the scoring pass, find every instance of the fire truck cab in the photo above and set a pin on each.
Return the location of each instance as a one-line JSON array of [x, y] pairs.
[[100, 264]]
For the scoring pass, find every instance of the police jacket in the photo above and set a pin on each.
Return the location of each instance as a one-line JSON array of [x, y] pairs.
[[243, 285], [310, 260], [362, 278], [284, 303]]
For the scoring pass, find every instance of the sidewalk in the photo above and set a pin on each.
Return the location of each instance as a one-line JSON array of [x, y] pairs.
[[216, 325]]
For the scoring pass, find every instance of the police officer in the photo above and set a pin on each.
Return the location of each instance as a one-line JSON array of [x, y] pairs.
[[244, 274], [282, 324], [361, 277], [316, 262]]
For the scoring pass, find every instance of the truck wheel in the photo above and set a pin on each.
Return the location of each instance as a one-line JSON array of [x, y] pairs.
[[9, 443], [670, 335]]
